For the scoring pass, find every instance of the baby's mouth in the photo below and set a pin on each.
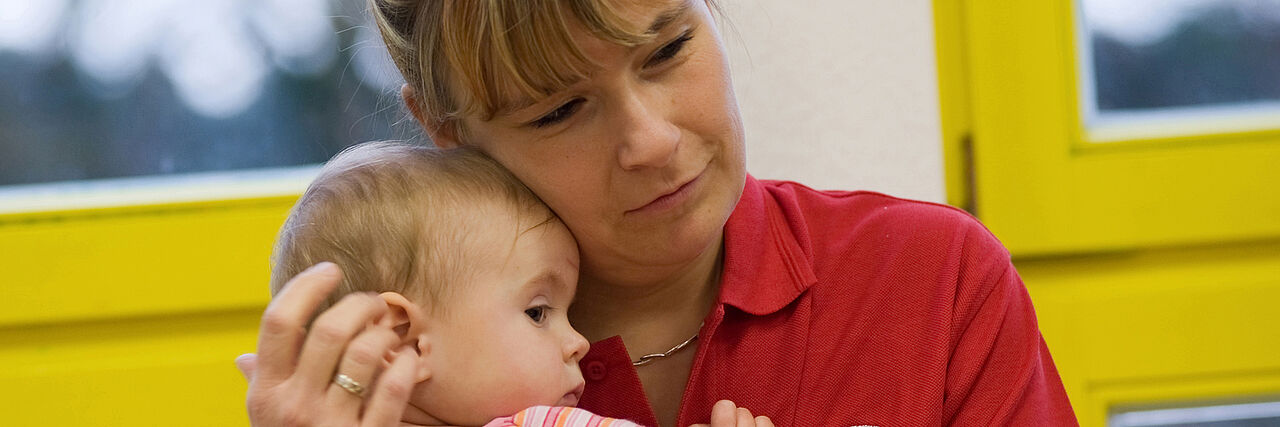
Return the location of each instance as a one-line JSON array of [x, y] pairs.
[[572, 397]]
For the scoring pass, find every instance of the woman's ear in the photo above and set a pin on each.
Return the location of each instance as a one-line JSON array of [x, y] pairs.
[[442, 134], [411, 323]]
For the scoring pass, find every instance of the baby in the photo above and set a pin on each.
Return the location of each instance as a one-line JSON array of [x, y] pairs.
[[477, 273]]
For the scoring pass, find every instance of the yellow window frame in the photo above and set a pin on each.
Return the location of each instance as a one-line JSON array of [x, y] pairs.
[[1041, 185]]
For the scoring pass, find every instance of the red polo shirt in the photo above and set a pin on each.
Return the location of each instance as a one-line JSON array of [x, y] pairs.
[[855, 308]]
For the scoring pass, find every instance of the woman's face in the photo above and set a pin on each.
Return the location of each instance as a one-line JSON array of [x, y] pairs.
[[644, 159]]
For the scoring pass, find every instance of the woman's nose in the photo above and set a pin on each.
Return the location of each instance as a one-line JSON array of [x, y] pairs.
[[649, 139]]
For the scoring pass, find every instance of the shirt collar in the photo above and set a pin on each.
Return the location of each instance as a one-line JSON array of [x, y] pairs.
[[765, 265]]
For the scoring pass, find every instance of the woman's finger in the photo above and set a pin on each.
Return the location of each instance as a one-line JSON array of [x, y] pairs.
[[247, 363], [763, 421], [391, 391], [284, 322], [330, 334], [360, 363]]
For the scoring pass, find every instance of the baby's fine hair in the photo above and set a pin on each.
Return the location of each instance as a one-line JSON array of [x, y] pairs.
[[395, 217]]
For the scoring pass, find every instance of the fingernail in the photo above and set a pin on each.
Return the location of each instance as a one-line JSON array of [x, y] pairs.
[[325, 267]]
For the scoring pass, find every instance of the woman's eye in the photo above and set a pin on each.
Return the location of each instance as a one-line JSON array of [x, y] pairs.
[[671, 49], [559, 114], [536, 313]]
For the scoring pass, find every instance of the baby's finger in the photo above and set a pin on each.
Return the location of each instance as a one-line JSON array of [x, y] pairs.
[[724, 414], [391, 393], [360, 363], [745, 419], [284, 321], [330, 335]]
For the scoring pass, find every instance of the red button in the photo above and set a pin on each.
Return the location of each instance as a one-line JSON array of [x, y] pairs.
[[596, 370]]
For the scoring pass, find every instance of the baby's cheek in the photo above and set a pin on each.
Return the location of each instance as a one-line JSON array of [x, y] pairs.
[[542, 387]]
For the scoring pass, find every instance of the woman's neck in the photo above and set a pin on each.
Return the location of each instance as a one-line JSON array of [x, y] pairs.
[[653, 314]]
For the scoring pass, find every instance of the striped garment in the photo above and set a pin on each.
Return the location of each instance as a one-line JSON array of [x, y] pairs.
[[557, 416]]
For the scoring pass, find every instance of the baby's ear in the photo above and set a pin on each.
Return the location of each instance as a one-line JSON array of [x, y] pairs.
[[400, 312], [411, 323]]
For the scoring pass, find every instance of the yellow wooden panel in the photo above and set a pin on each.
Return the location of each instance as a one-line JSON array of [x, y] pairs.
[[133, 316], [1044, 190], [162, 371], [1161, 326], [137, 261]]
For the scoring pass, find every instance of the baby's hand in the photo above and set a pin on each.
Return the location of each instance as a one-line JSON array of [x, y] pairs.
[[727, 414]]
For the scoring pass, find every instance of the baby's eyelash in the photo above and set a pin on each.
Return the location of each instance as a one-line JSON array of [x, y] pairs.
[[537, 314]]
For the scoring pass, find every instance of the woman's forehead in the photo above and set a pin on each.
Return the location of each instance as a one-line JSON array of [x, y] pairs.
[[540, 54]]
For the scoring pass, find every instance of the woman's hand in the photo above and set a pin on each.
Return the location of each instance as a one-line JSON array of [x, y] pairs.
[[291, 380], [727, 414]]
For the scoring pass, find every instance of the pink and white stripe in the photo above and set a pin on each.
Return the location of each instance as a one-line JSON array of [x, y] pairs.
[[557, 416]]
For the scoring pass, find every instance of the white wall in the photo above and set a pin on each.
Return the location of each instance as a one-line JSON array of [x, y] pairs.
[[839, 94]]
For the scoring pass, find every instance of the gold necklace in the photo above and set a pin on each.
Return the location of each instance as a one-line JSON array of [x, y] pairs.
[[649, 358]]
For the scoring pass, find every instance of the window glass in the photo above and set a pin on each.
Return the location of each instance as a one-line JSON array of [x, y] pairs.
[[1181, 66], [1239, 415], [108, 89]]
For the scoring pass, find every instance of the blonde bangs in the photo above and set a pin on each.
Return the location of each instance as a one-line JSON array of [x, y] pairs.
[[502, 51]]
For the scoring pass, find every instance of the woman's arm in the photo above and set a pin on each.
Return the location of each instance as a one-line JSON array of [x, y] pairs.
[[1000, 371]]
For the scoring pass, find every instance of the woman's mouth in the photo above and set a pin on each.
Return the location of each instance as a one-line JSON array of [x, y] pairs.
[[674, 198]]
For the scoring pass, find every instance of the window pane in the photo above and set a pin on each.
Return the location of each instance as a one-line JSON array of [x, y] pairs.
[[1206, 61], [96, 89], [1241, 415]]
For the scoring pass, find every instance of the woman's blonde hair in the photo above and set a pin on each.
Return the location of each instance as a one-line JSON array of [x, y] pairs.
[[493, 51], [396, 218]]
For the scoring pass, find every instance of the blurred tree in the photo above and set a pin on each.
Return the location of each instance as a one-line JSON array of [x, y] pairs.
[[58, 124], [1221, 54]]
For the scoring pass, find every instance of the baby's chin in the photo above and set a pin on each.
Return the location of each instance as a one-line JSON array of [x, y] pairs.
[[422, 410], [415, 416]]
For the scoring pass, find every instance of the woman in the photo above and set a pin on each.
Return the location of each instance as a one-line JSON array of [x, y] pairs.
[[812, 308]]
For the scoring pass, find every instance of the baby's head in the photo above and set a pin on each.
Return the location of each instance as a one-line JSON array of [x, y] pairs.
[[478, 273]]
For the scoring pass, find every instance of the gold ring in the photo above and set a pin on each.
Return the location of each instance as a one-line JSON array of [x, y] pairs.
[[349, 385]]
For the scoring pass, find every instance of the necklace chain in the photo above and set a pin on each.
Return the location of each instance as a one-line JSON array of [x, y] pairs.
[[650, 358]]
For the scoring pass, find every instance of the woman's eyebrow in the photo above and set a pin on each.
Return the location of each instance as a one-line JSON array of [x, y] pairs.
[[667, 17]]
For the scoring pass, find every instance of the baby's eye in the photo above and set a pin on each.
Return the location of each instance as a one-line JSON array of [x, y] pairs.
[[536, 313]]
